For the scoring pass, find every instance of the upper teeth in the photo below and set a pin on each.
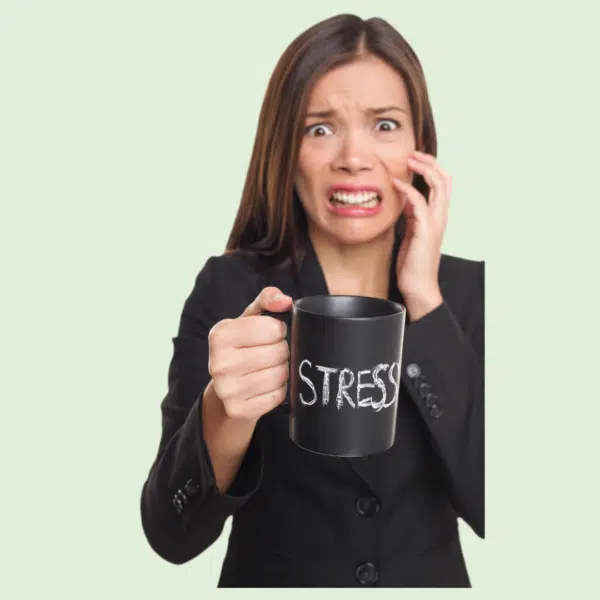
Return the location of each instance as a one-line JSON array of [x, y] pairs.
[[355, 198]]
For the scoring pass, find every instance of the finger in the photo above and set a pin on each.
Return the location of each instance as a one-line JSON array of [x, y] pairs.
[[248, 360], [255, 407], [432, 160], [271, 299], [260, 382], [415, 211], [433, 178], [255, 330], [436, 178]]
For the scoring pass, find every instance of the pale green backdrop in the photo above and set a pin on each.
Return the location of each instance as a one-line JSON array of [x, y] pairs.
[[125, 133]]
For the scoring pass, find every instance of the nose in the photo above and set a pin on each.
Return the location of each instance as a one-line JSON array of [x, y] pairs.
[[354, 154]]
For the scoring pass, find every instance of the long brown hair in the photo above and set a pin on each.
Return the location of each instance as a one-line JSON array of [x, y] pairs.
[[271, 220]]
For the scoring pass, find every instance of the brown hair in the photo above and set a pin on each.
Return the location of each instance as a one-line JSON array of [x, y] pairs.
[[271, 220]]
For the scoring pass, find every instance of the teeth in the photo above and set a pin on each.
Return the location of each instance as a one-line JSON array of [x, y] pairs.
[[366, 199]]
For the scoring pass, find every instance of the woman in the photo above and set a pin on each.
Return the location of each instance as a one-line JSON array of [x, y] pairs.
[[344, 195]]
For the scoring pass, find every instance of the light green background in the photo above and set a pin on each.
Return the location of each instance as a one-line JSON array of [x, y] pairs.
[[125, 132]]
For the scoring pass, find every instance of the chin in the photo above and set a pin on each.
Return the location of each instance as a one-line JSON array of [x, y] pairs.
[[357, 233]]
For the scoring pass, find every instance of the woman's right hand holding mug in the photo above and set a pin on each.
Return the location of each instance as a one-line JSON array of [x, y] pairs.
[[248, 358]]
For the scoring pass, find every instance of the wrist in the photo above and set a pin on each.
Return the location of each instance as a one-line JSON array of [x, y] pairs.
[[234, 433], [226, 439]]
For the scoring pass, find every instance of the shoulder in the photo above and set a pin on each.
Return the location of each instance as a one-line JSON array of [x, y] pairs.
[[223, 269], [462, 282], [224, 286], [461, 270]]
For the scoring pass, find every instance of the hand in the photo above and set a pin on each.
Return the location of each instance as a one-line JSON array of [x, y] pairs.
[[419, 255], [248, 358]]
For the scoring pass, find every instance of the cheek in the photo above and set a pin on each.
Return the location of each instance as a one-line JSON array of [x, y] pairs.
[[395, 160], [306, 183], [310, 165], [302, 176]]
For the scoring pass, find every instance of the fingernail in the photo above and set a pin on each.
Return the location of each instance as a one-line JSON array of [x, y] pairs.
[[278, 296]]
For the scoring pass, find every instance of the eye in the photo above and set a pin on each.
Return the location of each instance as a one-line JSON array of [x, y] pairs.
[[389, 124], [317, 130]]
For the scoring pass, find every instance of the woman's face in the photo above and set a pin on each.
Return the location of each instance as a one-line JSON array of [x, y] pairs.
[[358, 135]]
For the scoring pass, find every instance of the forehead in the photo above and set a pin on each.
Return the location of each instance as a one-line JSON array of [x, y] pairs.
[[366, 83]]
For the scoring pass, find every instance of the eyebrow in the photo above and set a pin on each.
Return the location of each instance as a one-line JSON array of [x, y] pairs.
[[325, 114]]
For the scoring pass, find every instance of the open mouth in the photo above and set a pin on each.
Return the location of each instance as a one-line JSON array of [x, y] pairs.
[[358, 199]]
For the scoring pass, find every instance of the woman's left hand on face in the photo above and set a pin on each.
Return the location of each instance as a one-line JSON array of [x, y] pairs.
[[420, 251]]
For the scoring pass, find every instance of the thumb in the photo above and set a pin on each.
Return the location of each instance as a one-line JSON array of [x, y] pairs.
[[270, 299]]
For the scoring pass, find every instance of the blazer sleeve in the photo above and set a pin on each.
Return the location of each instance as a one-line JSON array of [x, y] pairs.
[[182, 511], [443, 369]]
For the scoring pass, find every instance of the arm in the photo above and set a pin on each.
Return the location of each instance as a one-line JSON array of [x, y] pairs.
[[227, 439], [444, 374], [183, 510]]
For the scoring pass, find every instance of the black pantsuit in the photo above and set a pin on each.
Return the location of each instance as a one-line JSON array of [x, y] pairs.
[[303, 519]]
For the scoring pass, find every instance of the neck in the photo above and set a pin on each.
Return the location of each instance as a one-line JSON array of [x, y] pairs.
[[355, 269]]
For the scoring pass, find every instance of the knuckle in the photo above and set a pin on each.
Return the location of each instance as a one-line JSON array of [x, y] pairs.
[[226, 389], [270, 289], [282, 372], [218, 331], [220, 389], [222, 368], [234, 410], [262, 297], [219, 364], [278, 328], [278, 353], [213, 369]]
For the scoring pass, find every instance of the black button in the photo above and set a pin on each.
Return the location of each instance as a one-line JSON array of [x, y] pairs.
[[430, 401], [190, 487], [436, 412], [367, 506], [425, 390], [413, 370], [177, 503], [366, 573]]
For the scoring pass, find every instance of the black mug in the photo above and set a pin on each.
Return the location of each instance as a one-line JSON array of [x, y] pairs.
[[346, 355]]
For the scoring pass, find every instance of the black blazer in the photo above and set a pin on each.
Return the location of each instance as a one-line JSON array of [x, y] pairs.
[[303, 519]]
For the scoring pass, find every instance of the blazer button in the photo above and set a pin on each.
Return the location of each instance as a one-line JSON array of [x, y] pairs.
[[366, 573], [436, 412], [190, 487], [413, 370], [430, 400], [177, 503], [425, 390], [367, 506]]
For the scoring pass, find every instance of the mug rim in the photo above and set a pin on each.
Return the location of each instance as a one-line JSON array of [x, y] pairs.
[[400, 308]]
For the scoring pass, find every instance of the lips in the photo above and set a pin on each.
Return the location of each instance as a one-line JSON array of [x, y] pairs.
[[354, 200]]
